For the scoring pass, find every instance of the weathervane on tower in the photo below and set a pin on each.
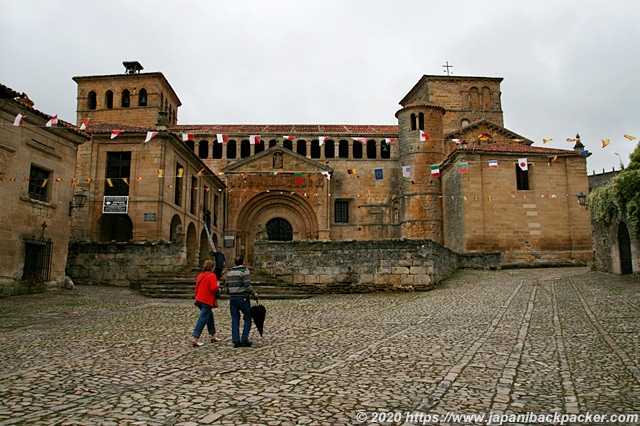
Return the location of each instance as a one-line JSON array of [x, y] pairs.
[[447, 66]]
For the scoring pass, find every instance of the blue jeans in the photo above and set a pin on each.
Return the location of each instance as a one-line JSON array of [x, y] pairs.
[[205, 318], [238, 304]]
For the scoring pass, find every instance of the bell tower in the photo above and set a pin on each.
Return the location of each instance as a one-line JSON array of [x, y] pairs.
[[133, 99], [421, 144]]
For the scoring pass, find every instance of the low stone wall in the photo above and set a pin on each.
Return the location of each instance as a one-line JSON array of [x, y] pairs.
[[361, 266], [119, 264]]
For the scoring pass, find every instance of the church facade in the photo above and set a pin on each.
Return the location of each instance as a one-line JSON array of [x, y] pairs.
[[448, 171]]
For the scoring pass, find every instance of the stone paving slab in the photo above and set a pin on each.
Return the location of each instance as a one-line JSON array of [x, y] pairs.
[[557, 341]]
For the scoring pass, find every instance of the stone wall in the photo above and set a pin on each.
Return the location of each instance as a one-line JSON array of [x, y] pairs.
[[119, 264], [361, 266]]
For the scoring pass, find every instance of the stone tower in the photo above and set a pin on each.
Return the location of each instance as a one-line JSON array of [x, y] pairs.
[[132, 99], [421, 144]]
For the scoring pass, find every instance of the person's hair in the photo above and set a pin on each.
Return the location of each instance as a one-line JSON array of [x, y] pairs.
[[208, 265], [239, 260]]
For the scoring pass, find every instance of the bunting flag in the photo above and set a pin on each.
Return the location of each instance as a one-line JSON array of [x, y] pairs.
[[187, 137], [630, 137], [222, 138], [378, 174], [12, 179], [605, 142], [180, 172], [115, 133], [522, 162], [298, 176], [572, 140], [351, 171], [160, 173], [406, 171], [435, 170], [361, 140], [254, 139], [322, 140], [547, 140], [327, 175], [493, 164], [150, 135], [616, 153], [139, 178], [517, 140], [458, 140], [19, 120], [85, 124], [53, 121], [109, 182], [552, 160], [463, 167], [200, 171], [484, 137], [44, 183], [74, 181], [58, 180], [289, 138], [424, 137], [126, 180], [88, 180], [389, 140], [275, 173]]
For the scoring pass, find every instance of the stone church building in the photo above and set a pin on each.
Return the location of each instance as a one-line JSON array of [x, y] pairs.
[[448, 171]]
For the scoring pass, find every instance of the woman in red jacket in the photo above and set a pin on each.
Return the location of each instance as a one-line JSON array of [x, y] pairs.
[[206, 291]]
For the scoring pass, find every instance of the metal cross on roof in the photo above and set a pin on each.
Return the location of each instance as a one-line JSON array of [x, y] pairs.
[[447, 66]]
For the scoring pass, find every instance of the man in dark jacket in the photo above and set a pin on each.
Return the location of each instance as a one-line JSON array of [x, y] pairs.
[[240, 290], [221, 262]]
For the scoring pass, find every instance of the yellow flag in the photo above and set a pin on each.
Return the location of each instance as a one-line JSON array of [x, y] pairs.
[[160, 173], [605, 142], [44, 182], [629, 137], [109, 182], [180, 172]]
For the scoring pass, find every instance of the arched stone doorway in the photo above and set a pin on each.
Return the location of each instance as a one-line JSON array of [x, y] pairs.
[[176, 232], [204, 247], [192, 246], [115, 227], [624, 247], [295, 210]]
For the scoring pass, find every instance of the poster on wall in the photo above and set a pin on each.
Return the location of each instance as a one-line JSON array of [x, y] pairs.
[[118, 204]]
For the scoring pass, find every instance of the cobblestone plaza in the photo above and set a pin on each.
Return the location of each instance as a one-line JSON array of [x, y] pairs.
[[558, 341]]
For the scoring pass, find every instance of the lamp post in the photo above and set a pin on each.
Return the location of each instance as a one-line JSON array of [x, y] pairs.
[[77, 203]]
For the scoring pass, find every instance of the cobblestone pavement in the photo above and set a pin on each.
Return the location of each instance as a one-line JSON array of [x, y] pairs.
[[534, 342]]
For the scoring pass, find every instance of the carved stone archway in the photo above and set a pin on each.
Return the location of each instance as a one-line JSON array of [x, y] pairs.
[[295, 209]]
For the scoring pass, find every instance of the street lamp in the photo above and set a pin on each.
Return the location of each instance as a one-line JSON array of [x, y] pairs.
[[582, 199], [78, 202]]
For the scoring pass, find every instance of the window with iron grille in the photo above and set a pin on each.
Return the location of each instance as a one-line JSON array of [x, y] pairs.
[[522, 179], [279, 229], [38, 179], [118, 171], [37, 260], [342, 212]]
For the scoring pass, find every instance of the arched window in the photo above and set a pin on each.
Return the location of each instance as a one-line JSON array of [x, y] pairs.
[[191, 145], [203, 149], [329, 149], [315, 149], [288, 144], [245, 148], [413, 122], [272, 142], [474, 98], [385, 150], [231, 149], [357, 150], [142, 97], [279, 229], [217, 151], [371, 148], [125, 101], [421, 121], [343, 149], [486, 98], [108, 99], [92, 100], [301, 147], [259, 147]]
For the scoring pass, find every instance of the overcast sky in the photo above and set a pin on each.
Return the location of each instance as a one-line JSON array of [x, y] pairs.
[[568, 66]]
